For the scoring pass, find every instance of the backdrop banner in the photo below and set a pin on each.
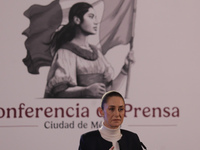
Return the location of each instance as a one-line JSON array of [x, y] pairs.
[[162, 105]]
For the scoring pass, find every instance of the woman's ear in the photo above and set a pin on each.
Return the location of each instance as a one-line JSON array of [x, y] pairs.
[[77, 20], [100, 110]]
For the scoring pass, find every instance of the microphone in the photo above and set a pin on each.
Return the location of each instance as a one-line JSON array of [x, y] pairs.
[[143, 146]]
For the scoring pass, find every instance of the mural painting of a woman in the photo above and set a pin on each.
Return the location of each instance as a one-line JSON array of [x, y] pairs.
[[79, 70]]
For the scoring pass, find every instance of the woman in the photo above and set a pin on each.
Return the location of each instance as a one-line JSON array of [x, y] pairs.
[[110, 136], [79, 70]]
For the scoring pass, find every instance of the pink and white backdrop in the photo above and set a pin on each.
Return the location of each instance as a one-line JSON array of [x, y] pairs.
[[164, 89]]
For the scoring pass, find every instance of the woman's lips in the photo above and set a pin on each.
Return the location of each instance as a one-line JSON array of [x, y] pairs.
[[95, 28], [116, 120]]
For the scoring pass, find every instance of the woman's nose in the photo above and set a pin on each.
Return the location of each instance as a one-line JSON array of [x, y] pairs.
[[116, 113], [96, 21]]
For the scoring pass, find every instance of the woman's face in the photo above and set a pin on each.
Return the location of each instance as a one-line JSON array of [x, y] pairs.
[[113, 112], [89, 24]]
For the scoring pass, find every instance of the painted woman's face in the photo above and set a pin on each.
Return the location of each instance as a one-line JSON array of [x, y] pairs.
[[89, 24], [113, 112]]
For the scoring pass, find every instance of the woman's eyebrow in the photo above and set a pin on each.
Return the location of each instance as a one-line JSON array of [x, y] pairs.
[[115, 106]]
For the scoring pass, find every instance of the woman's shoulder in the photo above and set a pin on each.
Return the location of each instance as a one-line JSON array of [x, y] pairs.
[[65, 54], [91, 133], [64, 50], [127, 132], [90, 136], [81, 52]]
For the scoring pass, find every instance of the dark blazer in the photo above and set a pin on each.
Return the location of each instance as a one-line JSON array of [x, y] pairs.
[[93, 141]]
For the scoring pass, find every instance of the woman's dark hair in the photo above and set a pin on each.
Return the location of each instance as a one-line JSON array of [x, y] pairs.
[[109, 94], [67, 33]]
